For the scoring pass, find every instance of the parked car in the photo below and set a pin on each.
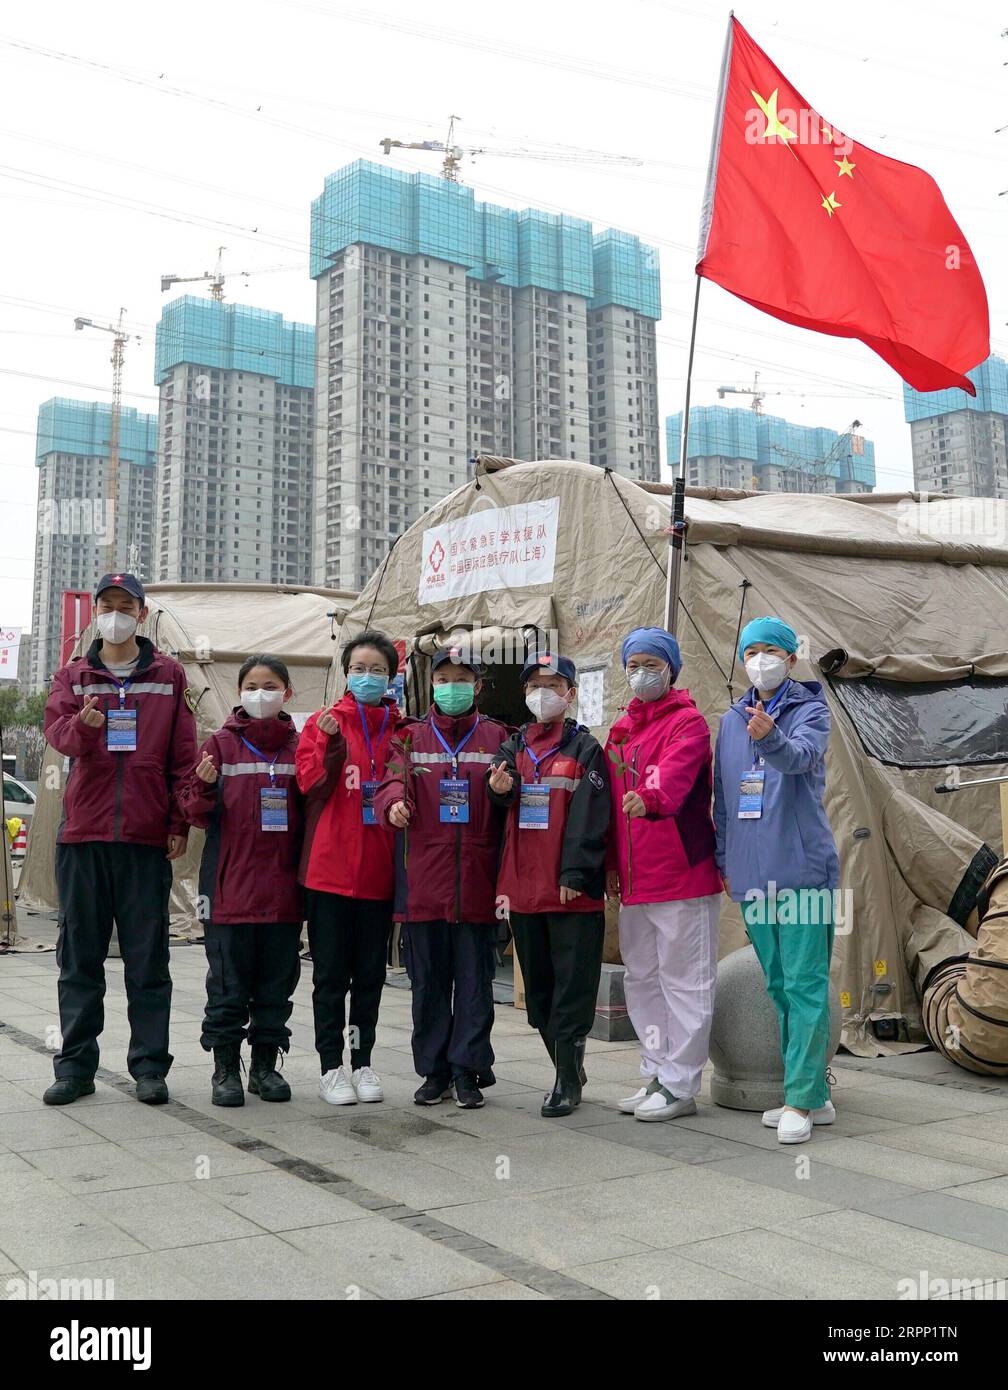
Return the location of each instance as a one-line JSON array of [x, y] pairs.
[[18, 799]]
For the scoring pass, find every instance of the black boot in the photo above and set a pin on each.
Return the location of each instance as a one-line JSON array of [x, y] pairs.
[[226, 1080], [264, 1080], [579, 1052], [566, 1094]]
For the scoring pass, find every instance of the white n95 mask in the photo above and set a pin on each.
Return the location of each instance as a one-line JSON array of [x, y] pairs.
[[766, 672]]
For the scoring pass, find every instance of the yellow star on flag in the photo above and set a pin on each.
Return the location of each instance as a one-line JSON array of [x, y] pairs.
[[830, 203], [775, 126], [845, 167], [827, 135]]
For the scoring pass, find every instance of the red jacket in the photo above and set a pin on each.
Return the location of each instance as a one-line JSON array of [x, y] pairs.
[[341, 854], [444, 872], [247, 874], [129, 797], [667, 854], [571, 850]]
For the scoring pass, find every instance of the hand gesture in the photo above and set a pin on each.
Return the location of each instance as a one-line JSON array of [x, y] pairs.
[[633, 805], [761, 723], [205, 769], [567, 895], [91, 714], [501, 778], [399, 815], [328, 723]]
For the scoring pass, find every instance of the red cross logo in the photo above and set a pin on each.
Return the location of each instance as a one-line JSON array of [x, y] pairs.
[[436, 557]]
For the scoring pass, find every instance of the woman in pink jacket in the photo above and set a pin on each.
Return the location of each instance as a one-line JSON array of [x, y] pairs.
[[661, 865]]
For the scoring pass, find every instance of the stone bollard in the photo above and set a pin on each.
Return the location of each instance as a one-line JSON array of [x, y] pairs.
[[745, 1038], [612, 1022]]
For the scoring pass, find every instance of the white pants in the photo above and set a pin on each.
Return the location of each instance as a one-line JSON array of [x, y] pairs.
[[670, 953]]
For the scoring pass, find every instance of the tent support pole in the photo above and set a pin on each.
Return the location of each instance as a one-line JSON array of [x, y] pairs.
[[677, 529]]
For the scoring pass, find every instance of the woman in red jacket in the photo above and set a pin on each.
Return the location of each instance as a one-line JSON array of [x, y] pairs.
[[346, 865], [242, 792], [661, 864]]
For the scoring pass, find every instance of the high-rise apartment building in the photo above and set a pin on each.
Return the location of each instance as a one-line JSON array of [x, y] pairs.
[[959, 441], [447, 327], [75, 525], [732, 447], [233, 498]]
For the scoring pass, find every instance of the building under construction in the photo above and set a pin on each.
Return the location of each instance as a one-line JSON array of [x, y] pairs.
[[733, 447]]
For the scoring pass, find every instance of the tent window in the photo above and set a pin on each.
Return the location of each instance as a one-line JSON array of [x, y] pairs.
[[928, 724]]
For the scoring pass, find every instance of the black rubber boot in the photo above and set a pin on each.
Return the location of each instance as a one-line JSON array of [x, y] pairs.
[[264, 1080], [579, 1053], [226, 1081], [566, 1094]]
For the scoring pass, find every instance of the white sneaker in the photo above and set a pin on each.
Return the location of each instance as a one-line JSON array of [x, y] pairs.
[[336, 1087], [663, 1105], [825, 1115], [367, 1084], [794, 1128]]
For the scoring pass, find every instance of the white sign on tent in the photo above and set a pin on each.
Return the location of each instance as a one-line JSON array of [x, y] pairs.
[[496, 548], [10, 644]]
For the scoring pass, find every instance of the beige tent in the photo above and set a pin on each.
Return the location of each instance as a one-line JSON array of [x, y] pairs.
[[903, 607], [211, 630]]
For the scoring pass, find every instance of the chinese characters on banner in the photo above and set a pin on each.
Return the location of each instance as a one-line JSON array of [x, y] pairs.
[[499, 548], [10, 642]]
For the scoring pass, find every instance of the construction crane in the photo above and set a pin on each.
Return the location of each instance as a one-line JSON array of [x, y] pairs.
[[756, 392], [216, 276], [817, 469], [119, 340], [454, 154]]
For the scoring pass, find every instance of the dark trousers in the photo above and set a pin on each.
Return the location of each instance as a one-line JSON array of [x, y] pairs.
[[451, 969], [99, 884], [253, 972], [560, 954], [349, 940]]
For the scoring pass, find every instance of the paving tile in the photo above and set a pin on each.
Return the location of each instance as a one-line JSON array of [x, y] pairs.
[[102, 1167], [877, 1101], [191, 1155], [669, 1139], [791, 1267], [44, 1128], [901, 1249], [506, 1290], [133, 1121], [169, 1215], [389, 1258], [804, 1170], [939, 1141], [992, 1192], [913, 1169], [277, 1201], [974, 1223], [49, 1226], [666, 1274]]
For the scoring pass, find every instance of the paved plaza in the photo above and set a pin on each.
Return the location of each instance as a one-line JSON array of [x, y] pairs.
[[392, 1201]]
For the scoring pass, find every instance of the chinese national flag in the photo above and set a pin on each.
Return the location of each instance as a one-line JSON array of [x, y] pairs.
[[807, 225]]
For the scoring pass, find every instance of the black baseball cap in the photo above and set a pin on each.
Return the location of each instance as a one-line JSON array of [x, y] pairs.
[[459, 655], [129, 582], [549, 661]]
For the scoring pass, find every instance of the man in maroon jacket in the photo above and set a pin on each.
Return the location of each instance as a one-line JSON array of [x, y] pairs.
[[435, 793], [119, 714]]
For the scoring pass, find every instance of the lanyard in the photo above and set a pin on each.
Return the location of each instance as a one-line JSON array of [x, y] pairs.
[[262, 757], [454, 752], [123, 687], [536, 761], [367, 736], [766, 710]]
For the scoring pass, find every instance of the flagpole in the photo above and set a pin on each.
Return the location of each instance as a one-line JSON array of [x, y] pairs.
[[677, 529]]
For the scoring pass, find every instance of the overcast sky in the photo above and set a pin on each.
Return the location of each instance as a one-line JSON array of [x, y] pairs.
[[138, 138]]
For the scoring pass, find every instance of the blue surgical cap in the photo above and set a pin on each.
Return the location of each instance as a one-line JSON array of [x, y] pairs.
[[774, 631], [655, 641]]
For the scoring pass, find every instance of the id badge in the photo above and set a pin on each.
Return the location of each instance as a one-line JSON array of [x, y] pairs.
[[750, 806], [454, 800], [272, 808], [121, 730], [368, 790], [533, 809]]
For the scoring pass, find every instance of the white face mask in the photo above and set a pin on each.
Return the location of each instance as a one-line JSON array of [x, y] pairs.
[[116, 627], [765, 671], [650, 685], [262, 704], [546, 705]]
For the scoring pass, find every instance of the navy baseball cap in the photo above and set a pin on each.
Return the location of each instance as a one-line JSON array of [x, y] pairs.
[[549, 661], [461, 656], [129, 582]]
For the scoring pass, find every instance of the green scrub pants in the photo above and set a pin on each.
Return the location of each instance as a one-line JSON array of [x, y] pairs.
[[792, 935]]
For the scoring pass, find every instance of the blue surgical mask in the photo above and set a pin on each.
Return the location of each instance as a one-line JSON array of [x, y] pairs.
[[367, 689]]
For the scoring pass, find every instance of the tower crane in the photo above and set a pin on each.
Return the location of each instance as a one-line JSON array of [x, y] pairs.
[[756, 392], [216, 276], [454, 154], [817, 469], [119, 340]]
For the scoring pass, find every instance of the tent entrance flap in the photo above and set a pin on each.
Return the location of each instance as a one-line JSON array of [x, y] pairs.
[[501, 651]]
